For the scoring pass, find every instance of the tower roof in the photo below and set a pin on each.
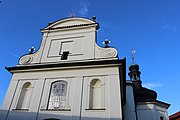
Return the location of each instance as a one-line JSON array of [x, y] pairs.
[[141, 94], [134, 67]]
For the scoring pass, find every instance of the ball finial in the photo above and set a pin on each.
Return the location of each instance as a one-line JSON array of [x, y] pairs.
[[31, 50], [94, 18]]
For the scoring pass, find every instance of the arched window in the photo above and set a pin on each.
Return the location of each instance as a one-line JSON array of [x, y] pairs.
[[25, 95], [95, 97], [58, 93]]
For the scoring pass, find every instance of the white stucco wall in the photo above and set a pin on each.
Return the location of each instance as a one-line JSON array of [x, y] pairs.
[[151, 111], [78, 80], [129, 107]]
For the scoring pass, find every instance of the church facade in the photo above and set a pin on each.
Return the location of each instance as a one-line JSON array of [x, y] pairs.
[[70, 77]]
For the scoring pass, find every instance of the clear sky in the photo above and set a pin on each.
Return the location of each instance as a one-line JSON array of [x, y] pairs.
[[151, 27]]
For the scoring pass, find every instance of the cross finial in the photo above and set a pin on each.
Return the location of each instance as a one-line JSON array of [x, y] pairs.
[[31, 50], [106, 42], [72, 13], [133, 52]]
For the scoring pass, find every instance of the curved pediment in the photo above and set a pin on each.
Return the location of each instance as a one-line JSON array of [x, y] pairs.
[[70, 39], [70, 23]]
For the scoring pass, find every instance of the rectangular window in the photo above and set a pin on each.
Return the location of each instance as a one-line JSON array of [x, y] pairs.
[[65, 55]]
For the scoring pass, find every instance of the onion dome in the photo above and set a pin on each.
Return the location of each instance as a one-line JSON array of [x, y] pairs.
[[134, 72], [141, 94]]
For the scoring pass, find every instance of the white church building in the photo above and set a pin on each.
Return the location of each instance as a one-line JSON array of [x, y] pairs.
[[70, 77]]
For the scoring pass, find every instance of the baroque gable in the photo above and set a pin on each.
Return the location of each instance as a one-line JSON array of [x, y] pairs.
[[69, 40]]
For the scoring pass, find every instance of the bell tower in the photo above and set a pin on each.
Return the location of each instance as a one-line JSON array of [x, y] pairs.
[[145, 99]]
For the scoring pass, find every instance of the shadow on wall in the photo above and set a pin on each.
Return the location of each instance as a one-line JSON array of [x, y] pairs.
[[151, 111], [24, 115]]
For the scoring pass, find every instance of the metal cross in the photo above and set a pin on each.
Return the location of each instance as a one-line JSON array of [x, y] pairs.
[[133, 52]]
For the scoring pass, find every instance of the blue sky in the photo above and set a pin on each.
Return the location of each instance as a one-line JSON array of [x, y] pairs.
[[151, 27]]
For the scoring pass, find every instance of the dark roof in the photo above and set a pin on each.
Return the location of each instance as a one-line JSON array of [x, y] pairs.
[[143, 94], [175, 116], [73, 26], [68, 64]]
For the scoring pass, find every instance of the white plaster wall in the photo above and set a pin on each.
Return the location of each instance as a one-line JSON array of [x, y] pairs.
[[82, 45], [129, 107], [151, 111], [112, 98], [8, 99], [77, 102], [12, 100]]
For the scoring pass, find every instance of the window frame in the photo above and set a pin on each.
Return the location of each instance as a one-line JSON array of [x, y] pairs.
[[66, 97]]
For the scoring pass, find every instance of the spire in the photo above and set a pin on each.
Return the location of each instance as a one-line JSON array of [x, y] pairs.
[[134, 72]]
